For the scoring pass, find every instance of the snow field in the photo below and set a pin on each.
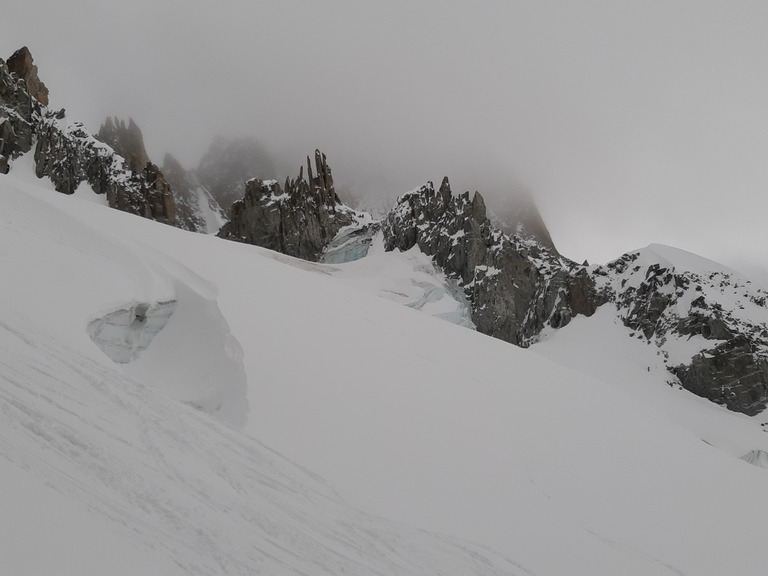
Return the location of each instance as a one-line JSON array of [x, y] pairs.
[[576, 469]]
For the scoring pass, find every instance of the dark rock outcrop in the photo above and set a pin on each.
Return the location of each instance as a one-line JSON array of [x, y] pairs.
[[516, 286], [229, 164], [733, 373], [299, 219], [668, 306]]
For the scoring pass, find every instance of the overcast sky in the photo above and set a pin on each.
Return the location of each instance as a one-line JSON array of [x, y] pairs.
[[630, 122]]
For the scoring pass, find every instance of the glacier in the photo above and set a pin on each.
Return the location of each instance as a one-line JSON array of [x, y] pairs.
[[372, 437]]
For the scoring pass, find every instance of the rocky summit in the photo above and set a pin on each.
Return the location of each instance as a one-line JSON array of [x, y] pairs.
[[299, 219], [22, 65]]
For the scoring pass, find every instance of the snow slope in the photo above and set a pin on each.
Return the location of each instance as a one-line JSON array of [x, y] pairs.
[[102, 474], [575, 469]]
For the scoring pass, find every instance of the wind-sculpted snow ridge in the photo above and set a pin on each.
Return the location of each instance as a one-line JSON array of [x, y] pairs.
[[517, 287], [709, 323]]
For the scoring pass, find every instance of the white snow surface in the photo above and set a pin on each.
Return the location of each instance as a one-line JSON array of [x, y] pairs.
[[571, 457]]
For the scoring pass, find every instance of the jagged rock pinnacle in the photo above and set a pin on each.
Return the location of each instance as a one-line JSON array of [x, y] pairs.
[[127, 141], [299, 220]]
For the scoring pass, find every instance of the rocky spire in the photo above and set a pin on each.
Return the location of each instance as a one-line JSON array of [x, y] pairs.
[[322, 182], [22, 64], [299, 219], [127, 141]]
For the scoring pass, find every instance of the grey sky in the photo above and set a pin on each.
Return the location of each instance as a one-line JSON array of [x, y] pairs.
[[630, 122]]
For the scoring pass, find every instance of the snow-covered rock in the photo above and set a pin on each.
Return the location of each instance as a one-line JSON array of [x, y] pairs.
[[709, 323], [517, 286]]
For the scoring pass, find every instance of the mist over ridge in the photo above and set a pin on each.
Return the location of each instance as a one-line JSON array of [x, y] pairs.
[[630, 124]]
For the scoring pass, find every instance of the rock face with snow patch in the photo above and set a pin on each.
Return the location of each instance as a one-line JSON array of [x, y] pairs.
[[517, 286], [710, 326], [68, 155], [715, 314], [300, 219]]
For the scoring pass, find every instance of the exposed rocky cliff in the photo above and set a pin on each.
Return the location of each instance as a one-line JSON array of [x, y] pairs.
[[299, 219], [517, 286], [228, 164]]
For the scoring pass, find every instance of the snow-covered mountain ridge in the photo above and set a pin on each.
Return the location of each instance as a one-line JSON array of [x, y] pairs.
[[518, 287], [142, 367]]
